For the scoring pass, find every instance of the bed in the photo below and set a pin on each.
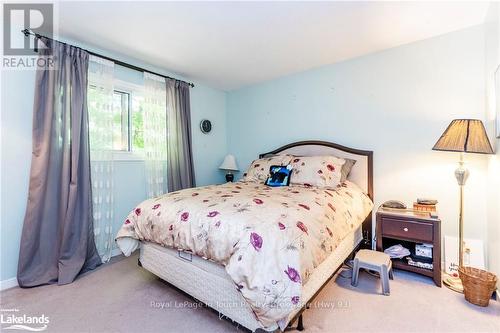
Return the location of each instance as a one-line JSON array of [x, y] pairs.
[[240, 281]]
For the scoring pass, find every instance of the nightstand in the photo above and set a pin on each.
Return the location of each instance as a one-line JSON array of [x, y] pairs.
[[409, 228]]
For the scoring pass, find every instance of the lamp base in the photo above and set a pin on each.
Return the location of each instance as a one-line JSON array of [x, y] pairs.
[[229, 177], [454, 283]]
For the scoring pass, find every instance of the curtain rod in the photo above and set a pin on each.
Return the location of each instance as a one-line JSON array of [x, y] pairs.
[[28, 32]]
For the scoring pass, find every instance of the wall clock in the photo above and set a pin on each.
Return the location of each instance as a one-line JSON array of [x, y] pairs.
[[206, 126]]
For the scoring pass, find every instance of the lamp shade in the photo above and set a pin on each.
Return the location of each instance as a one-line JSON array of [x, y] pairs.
[[465, 135], [229, 163]]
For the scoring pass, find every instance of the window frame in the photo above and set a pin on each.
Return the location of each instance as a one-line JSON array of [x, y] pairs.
[[131, 89], [125, 128]]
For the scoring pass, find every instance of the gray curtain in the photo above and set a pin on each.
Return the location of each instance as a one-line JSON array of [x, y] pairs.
[[180, 170], [57, 241]]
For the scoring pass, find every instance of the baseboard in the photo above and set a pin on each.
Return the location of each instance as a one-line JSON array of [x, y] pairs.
[[9, 283]]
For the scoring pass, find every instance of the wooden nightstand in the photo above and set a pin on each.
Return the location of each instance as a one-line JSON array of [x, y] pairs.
[[407, 229]]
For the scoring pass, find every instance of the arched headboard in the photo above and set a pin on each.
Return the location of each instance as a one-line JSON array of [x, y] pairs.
[[361, 173]]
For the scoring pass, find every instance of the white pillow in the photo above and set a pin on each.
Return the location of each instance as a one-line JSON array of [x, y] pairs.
[[259, 169], [321, 171]]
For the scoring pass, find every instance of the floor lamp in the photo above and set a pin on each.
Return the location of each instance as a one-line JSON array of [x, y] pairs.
[[463, 136]]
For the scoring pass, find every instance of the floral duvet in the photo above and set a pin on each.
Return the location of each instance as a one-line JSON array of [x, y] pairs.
[[270, 239]]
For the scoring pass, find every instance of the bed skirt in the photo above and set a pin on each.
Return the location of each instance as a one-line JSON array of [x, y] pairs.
[[209, 283]]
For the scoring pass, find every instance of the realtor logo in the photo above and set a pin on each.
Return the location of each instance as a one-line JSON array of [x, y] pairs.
[[10, 319], [37, 17]]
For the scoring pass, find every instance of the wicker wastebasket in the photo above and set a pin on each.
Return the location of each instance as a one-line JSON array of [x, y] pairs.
[[478, 285]]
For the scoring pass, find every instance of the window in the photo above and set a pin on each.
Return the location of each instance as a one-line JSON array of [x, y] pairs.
[[124, 124], [128, 131], [121, 119], [137, 123]]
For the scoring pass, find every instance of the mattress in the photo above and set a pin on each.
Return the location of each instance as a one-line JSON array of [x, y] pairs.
[[208, 282]]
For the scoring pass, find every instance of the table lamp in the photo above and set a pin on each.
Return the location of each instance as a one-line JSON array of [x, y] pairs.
[[463, 136], [229, 165]]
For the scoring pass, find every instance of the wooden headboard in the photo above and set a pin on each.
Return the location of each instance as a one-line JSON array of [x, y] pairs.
[[361, 173]]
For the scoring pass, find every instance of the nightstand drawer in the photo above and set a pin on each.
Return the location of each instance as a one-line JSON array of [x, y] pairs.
[[407, 230]]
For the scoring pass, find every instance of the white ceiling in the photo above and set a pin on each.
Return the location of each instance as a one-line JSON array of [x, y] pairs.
[[228, 45]]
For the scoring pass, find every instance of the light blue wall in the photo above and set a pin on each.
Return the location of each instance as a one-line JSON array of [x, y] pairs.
[[356, 102], [492, 35], [396, 102], [16, 119], [16, 123]]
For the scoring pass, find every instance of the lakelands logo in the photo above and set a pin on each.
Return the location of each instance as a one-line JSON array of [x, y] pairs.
[[19, 50], [11, 319]]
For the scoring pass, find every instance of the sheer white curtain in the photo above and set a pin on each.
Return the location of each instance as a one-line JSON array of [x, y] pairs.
[[101, 113], [155, 134]]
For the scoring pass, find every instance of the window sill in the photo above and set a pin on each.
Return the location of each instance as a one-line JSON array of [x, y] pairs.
[[127, 156]]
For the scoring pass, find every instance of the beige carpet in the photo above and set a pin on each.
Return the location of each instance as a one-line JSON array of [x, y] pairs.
[[118, 298]]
